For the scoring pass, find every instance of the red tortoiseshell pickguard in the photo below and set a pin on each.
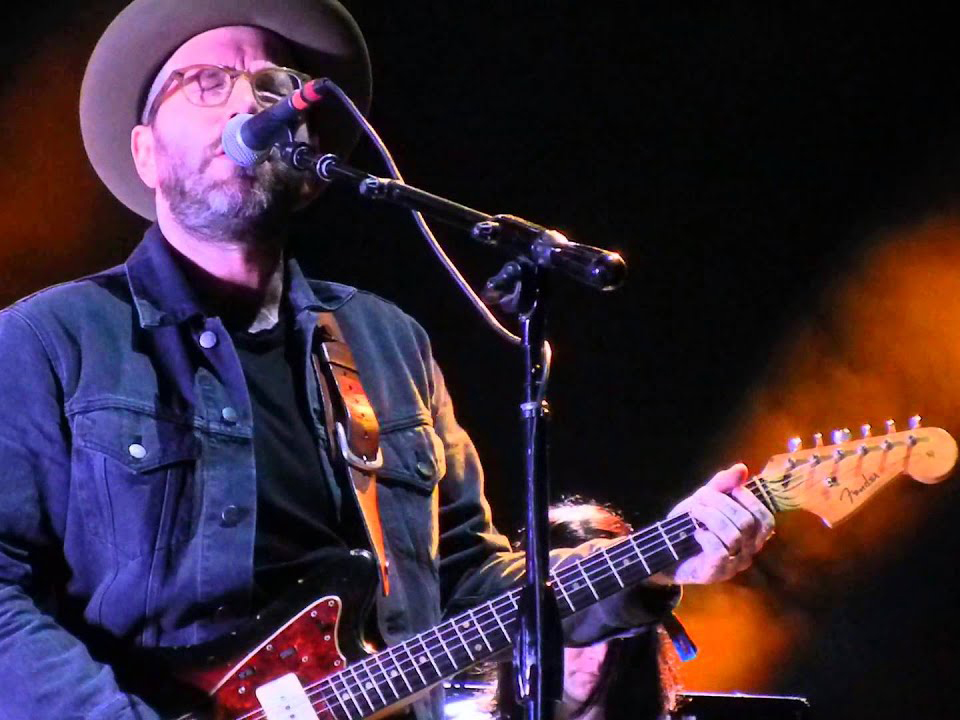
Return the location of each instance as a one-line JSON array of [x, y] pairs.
[[306, 646]]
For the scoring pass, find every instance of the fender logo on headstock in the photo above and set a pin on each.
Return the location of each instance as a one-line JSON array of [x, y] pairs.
[[851, 493]]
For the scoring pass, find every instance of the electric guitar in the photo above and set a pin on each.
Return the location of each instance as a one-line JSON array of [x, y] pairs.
[[305, 659]]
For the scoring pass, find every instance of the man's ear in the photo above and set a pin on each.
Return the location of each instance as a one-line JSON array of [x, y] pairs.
[[143, 146]]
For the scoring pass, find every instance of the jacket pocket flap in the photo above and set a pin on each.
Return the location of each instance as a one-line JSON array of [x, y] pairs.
[[413, 455], [139, 440]]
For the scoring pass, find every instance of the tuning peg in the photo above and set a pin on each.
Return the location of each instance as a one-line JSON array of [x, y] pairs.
[[865, 430], [914, 422], [840, 435], [891, 426], [794, 444], [818, 439]]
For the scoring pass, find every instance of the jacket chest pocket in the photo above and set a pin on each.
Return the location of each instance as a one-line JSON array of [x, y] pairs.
[[134, 477], [413, 465]]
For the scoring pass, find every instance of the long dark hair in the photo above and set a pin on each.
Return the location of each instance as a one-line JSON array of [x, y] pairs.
[[638, 677]]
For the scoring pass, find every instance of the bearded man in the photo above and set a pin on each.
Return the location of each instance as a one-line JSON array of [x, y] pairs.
[[171, 460]]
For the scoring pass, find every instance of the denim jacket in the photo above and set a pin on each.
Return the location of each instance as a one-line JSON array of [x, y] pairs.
[[128, 481]]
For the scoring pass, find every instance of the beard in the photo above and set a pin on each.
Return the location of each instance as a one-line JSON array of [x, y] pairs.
[[251, 206]]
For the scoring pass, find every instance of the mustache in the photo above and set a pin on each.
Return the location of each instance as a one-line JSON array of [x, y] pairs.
[[215, 150]]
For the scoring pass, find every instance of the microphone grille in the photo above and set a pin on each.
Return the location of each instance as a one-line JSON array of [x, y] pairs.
[[234, 146]]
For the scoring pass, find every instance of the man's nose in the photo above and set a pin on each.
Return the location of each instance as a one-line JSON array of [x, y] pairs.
[[241, 98]]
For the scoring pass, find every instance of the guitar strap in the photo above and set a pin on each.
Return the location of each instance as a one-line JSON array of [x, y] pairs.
[[352, 427]]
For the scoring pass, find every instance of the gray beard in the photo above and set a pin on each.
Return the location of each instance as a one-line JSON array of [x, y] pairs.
[[251, 207]]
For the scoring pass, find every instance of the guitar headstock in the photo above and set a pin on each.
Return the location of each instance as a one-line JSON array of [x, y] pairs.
[[834, 481]]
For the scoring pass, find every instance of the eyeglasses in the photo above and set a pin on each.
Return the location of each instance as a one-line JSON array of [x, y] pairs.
[[211, 85]]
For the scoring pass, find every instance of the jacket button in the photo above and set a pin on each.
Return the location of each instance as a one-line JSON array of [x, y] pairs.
[[425, 469], [230, 516], [208, 339], [229, 414], [137, 451]]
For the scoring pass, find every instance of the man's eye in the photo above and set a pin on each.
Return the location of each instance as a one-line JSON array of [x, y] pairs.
[[211, 80]]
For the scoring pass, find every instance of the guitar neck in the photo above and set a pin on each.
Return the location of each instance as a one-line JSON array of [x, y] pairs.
[[389, 677]]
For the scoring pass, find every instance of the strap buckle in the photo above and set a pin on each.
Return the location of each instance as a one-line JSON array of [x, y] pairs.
[[360, 463]]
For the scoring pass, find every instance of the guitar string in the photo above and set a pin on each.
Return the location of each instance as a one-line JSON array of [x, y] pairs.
[[377, 678], [355, 688], [588, 567], [449, 632], [480, 629], [776, 487]]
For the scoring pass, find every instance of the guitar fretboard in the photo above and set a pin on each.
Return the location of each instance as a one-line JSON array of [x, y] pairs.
[[388, 677]]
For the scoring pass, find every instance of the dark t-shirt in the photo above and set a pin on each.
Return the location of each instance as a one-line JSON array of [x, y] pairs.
[[296, 516]]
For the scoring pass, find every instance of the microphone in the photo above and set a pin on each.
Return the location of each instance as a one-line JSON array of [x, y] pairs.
[[248, 138]]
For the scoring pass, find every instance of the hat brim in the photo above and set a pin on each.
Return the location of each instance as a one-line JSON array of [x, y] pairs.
[[324, 38]]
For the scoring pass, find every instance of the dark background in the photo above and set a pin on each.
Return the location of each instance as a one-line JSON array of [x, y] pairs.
[[749, 159]]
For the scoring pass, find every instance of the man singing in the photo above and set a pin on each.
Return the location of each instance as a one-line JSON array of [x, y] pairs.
[[169, 462]]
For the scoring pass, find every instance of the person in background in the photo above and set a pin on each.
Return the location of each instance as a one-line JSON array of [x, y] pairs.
[[631, 677]]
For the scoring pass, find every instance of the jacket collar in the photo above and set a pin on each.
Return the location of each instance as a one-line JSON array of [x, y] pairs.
[[163, 296]]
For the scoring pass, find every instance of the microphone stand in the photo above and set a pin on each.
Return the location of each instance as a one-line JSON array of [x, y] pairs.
[[521, 287]]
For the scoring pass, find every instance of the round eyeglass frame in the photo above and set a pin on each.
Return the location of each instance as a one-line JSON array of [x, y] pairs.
[[174, 83]]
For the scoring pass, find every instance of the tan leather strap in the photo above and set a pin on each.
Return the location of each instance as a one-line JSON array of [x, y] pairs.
[[352, 427]]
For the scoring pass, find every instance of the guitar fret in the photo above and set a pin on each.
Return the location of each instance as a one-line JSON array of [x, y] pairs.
[[445, 648], [563, 591], [479, 629], [336, 694], [336, 707], [669, 544], [353, 669], [463, 642], [413, 662], [386, 675], [375, 684], [503, 629], [636, 548], [338, 712], [603, 551], [392, 655], [353, 697], [769, 501], [587, 579], [429, 656]]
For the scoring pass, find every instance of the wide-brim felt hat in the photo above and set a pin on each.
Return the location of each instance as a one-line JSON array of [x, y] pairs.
[[322, 35]]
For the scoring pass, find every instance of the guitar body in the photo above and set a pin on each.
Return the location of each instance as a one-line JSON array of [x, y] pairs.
[[314, 631]]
